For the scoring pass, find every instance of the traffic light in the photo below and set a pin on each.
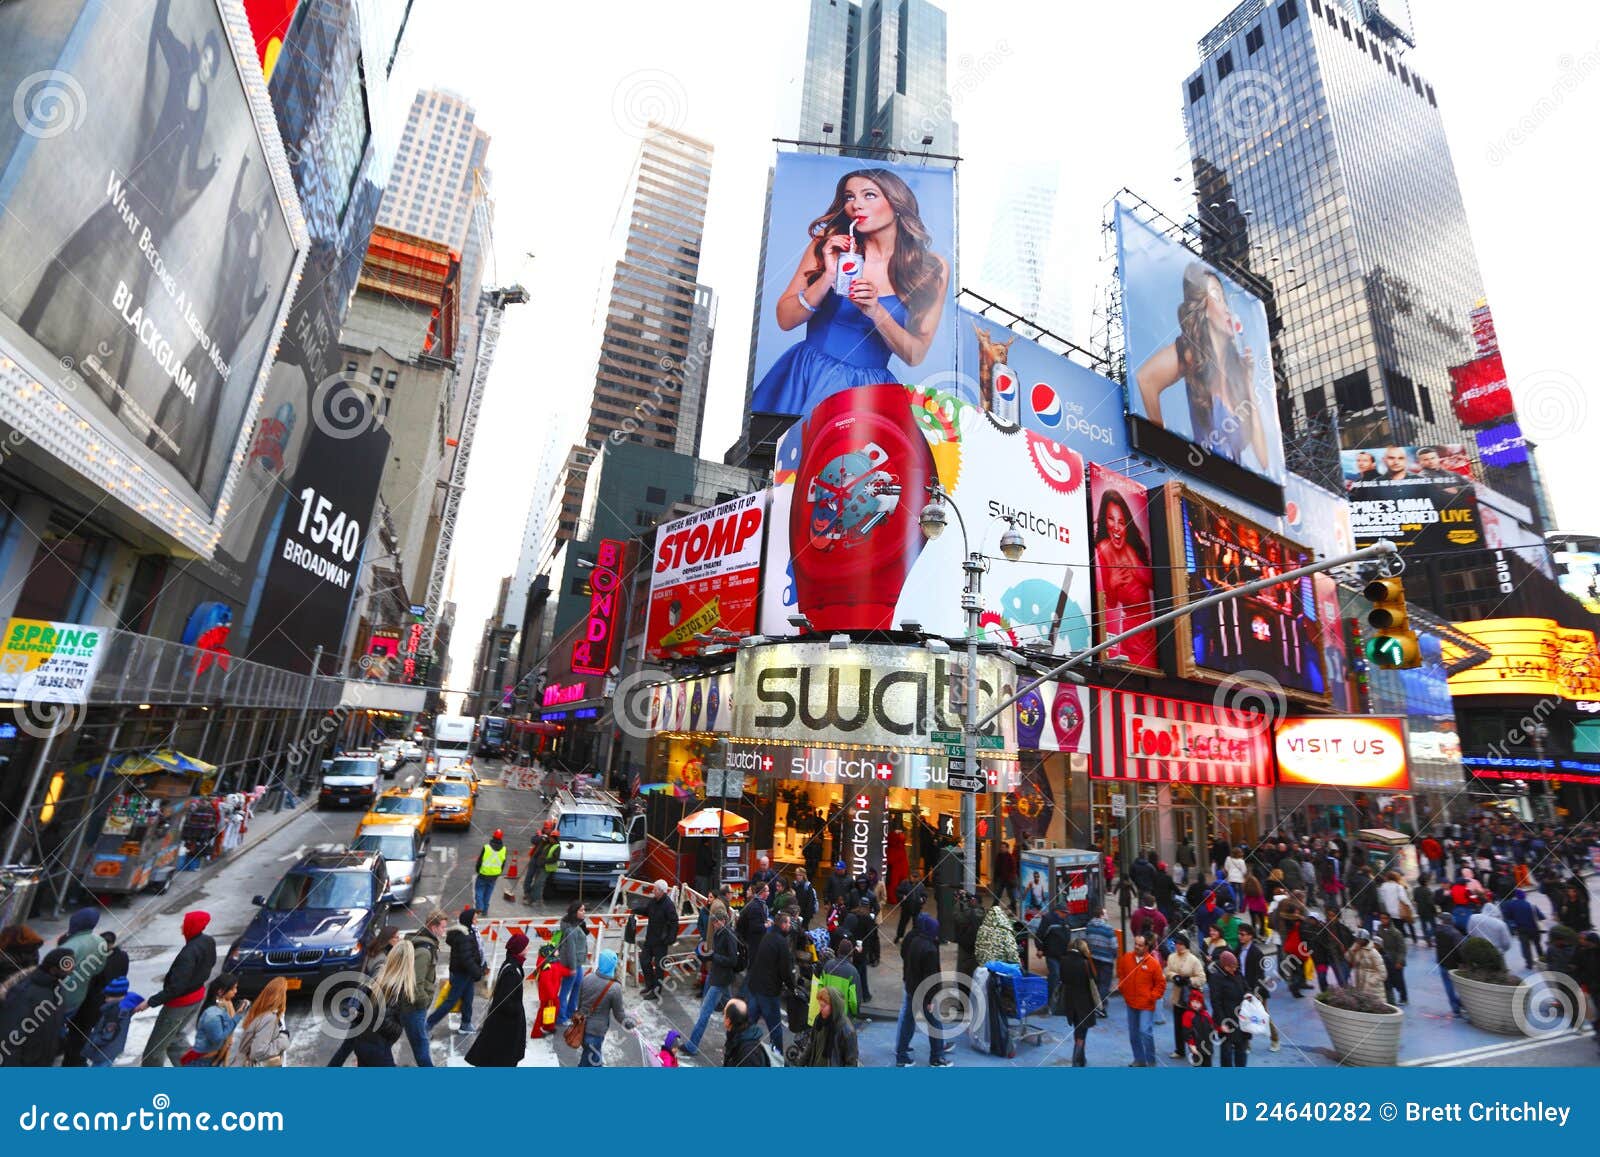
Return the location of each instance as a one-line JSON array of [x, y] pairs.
[[1395, 647]]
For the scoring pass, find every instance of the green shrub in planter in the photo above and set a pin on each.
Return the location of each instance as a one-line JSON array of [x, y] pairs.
[[1352, 1001], [1479, 960]]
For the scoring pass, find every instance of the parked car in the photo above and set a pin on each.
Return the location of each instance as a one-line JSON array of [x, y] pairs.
[[350, 780], [324, 916], [404, 853]]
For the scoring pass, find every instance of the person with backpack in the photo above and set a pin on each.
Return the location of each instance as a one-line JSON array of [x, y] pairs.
[[840, 974], [807, 897], [1054, 937], [742, 1046], [425, 954], [384, 1002], [1147, 921], [467, 968], [724, 954]]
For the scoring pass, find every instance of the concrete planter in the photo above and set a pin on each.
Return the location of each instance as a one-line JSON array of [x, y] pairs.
[[1362, 1038], [1490, 1007]]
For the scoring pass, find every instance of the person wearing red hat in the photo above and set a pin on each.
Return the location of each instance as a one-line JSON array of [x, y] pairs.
[[503, 1040], [491, 866], [182, 991]]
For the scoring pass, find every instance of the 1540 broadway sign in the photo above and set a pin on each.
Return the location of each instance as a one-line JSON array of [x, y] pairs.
[[873, 695]]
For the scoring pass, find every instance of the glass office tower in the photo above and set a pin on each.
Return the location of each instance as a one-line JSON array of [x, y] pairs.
[[1322, 168]]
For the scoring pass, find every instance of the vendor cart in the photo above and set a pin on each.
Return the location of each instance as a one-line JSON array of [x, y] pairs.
[[141, 840]]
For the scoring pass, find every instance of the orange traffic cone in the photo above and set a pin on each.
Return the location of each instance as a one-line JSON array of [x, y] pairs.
[[511, 874]]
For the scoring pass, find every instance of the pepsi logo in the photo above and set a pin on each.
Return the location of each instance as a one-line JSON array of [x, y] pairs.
[[1059, 466], [1046, 404], [1005, 381]]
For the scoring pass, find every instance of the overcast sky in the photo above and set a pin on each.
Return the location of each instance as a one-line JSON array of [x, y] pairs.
[[1092, 87]]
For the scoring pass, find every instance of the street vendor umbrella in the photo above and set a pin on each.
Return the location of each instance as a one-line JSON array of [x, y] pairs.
[[712, 821], [178, 761]]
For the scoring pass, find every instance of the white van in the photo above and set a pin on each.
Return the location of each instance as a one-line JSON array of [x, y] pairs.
[[599, 842]]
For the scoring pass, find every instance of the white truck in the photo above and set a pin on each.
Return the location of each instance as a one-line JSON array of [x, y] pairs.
[[452, 742]]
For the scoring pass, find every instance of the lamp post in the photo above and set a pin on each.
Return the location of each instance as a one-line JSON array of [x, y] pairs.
[[933, 521]]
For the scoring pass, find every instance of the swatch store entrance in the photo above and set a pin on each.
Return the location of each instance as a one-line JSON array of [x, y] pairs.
[[1168, 772]]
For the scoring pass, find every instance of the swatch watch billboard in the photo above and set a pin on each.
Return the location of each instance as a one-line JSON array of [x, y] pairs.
[[1053, 717], [847, 550]]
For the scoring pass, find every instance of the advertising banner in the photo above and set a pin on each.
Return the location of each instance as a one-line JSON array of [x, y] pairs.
[[1502, 446], [1199, 360], [151, 247], [1578, 572], [1349, 751], [320, 539], [1418, 497], [591, 653], [47, 662], [707, 574], [872, 694], [1124, 568], [1042, 391], [1532, 657], [859, 284], [1273, 636], [1053, 717], [1148, 737], [846, 548], [689, 705], [1479, 390], [1317, 517], [860, 767]]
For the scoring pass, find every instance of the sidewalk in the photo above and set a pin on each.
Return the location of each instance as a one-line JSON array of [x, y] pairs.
[[1431, 1031]]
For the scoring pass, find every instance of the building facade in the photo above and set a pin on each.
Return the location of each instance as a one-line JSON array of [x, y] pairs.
[[1322, 170], [647, 352]]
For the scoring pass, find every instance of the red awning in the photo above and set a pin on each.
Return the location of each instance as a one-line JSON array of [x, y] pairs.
[[536, 727]]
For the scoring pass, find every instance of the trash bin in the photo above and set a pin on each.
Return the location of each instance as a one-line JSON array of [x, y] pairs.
[[19, 883]]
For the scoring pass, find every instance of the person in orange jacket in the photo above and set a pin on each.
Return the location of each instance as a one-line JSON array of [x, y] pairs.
[[551, 972], [1142, 983]]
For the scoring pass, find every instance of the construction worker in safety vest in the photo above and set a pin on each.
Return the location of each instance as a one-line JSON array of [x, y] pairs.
[[542, 858], [491, 863]]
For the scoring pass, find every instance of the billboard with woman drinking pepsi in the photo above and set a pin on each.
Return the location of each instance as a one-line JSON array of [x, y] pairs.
[[859, 281]]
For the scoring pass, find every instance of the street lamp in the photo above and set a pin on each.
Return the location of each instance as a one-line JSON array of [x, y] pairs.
[[934, 519]]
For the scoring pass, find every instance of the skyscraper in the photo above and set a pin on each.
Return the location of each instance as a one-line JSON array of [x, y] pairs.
[[1322, 169], [649, 384], [434, 179], [1021, 262], [875, 71]]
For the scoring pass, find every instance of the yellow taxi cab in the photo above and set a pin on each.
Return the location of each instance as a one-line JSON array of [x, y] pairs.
[[402, 806], [454, 801]]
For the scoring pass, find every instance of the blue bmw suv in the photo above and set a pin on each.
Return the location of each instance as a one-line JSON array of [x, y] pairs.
[[323, 918]]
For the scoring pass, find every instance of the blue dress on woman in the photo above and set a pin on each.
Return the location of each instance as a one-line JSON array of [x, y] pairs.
[[841, 350]]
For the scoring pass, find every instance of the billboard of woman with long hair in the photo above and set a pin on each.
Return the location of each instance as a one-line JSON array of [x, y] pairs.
[[868, 280]]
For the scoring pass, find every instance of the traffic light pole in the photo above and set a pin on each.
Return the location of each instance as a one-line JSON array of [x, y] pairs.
[[1383, 549]]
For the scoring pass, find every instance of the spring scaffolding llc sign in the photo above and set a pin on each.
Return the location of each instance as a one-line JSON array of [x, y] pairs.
[[48, 662]]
